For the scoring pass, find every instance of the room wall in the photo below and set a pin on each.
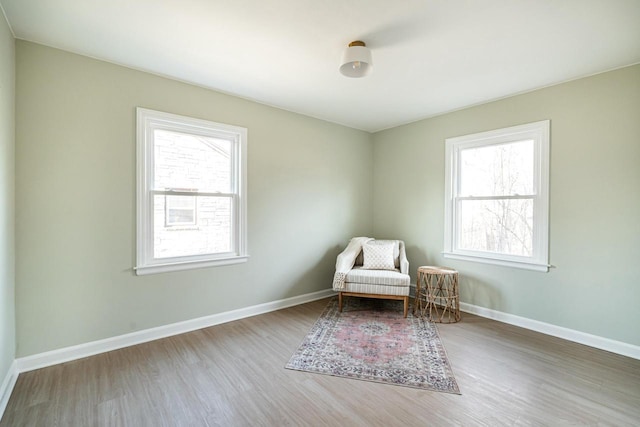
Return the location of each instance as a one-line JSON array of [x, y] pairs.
[[308, 191], [594, 286], [7, 213]]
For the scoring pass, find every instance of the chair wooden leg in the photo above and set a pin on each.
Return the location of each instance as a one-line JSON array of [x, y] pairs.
[[406, 306], [340, 302]]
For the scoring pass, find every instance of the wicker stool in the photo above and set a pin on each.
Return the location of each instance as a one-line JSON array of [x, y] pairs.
[[437, 294]]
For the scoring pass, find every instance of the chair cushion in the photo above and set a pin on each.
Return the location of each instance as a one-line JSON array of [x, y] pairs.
[[365, 288], [378, 277]]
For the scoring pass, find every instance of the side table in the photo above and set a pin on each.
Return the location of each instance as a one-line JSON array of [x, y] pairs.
[[437, 294]]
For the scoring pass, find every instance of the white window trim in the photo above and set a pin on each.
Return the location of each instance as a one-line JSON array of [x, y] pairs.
[[147, 121], [539, 133]]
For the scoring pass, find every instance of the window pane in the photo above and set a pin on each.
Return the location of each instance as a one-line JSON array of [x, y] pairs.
[[184, 161], [180, 210], [502, 226], [210, 233], [497, 170]]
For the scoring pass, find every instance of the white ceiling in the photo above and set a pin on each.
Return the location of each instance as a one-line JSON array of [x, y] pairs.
[[430, 56]]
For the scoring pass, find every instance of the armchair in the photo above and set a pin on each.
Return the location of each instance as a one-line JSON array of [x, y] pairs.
[[373, 269]]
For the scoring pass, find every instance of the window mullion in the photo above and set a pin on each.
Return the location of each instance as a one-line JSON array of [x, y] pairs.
[[515, 197], [190, 193]]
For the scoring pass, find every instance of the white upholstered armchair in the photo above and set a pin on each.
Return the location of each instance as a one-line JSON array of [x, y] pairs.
[[373, 269]]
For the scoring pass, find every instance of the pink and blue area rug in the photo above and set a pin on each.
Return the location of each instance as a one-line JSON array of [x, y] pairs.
[[371, 341]]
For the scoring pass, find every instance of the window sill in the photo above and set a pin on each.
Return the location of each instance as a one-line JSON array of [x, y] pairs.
[[504, 263], [189, 265]]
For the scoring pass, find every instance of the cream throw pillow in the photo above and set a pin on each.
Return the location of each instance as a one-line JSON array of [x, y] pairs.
[[378, 256], [396, 249]]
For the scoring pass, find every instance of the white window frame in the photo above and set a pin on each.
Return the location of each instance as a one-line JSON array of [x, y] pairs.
[[539, 133], [147, 122]]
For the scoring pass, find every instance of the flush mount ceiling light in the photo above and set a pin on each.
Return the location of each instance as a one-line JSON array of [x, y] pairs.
[[356, 60]]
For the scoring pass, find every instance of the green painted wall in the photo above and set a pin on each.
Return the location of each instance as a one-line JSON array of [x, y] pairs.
[[594, 203], [7, 204], [308, 191]]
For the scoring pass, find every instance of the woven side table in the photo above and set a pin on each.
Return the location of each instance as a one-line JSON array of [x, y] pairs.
[[437, 295]]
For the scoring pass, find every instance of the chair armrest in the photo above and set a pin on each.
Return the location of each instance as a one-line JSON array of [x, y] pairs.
[[341, 257], [404, 262]]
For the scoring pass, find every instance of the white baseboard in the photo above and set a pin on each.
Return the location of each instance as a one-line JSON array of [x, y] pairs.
[[7, 386], [80, 351], [607, 344], [54, 357]]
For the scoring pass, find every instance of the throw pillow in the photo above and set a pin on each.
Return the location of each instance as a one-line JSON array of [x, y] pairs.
[[396, 249], [378, 256]]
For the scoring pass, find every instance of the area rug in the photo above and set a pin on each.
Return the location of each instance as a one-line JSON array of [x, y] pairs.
[[371, 341]]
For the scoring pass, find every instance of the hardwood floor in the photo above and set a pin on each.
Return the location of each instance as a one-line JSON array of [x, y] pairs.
[[233, 374]]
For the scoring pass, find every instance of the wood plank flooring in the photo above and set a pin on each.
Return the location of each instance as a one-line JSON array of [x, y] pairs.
[[233, 375]]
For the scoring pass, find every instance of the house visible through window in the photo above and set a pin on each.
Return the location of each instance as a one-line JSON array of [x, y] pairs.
[[496, 206], [180, 210], [191, 193]]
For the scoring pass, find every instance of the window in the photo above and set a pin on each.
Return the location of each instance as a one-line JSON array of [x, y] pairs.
[[191, 193], [497, 197]]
